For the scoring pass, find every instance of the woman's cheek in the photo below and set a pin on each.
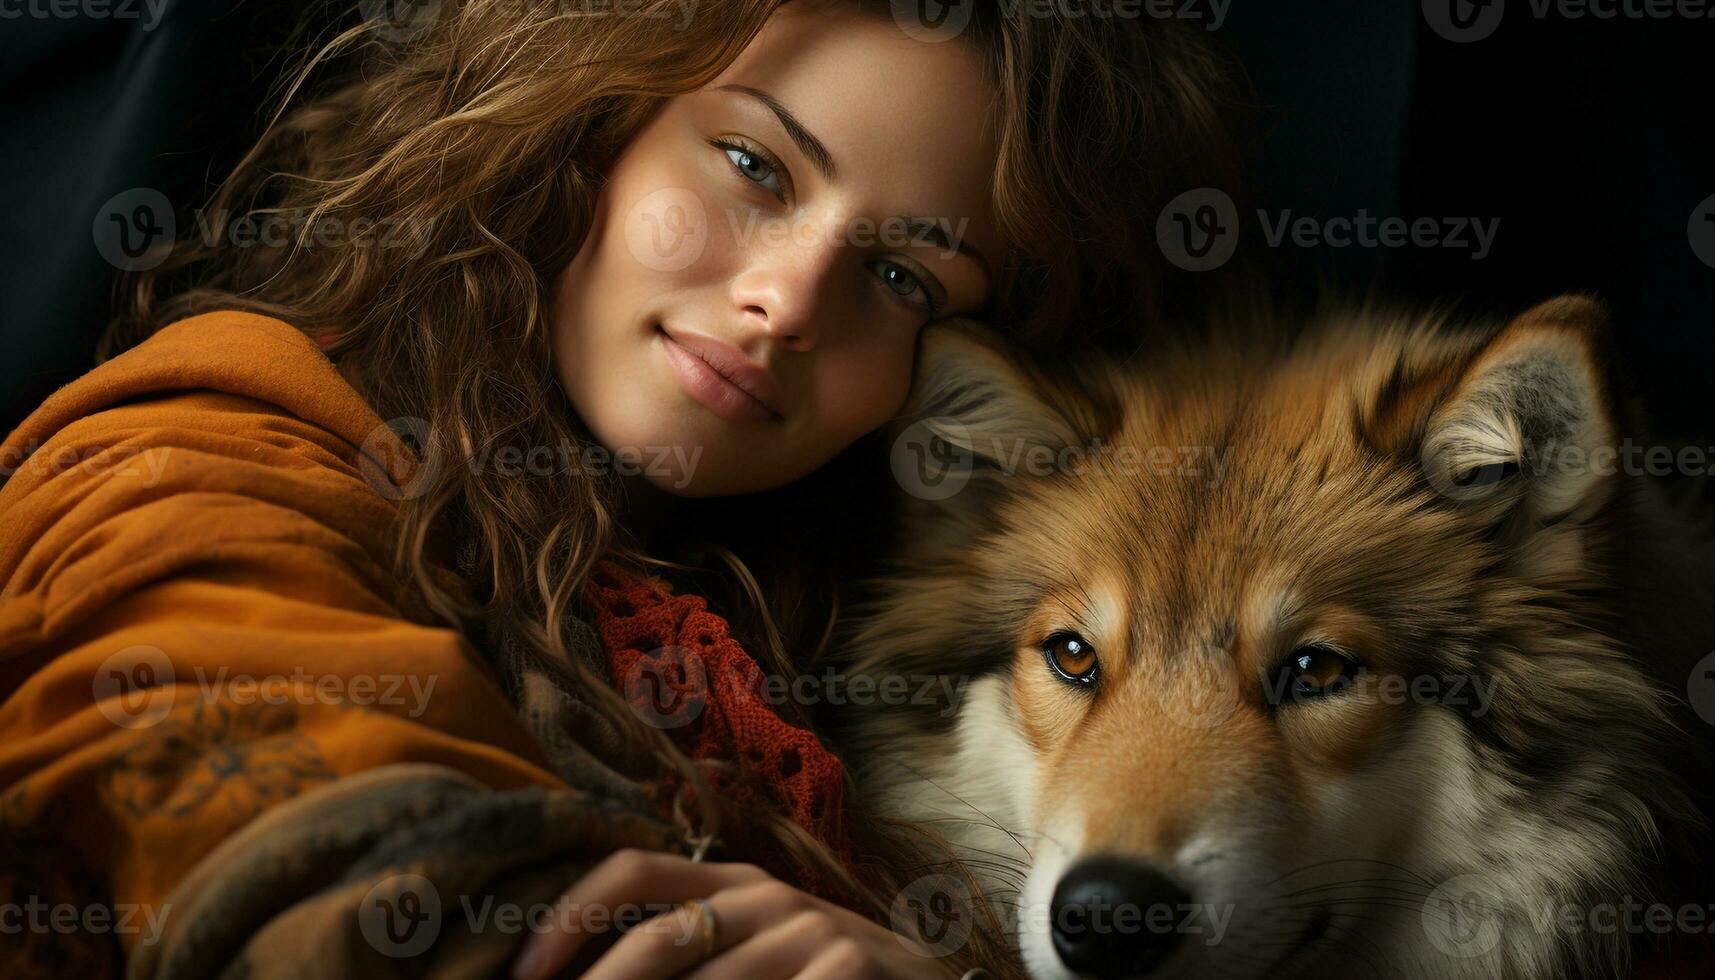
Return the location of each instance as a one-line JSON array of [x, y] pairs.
[[866, 389], [672, 228]]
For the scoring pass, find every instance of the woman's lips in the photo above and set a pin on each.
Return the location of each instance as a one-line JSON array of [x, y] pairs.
[[712, 376]]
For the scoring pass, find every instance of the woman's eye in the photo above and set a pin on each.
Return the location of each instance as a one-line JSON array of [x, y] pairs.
[[1314, 671], [755, 169], [903, 282], [1071, 657]]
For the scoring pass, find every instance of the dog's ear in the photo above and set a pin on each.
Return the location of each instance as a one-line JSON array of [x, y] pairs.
[[974, 393], [1523, 428], [980, 420]]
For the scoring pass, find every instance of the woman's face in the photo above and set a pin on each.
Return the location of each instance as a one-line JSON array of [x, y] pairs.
[[763, 255]]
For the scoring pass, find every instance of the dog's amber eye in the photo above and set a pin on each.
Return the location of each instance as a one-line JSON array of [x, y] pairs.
[[1314, 671], [1071, 657]]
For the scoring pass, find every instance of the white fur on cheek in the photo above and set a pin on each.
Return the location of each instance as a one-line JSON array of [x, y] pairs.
[[978, 796], [991, 743], [994, 756]]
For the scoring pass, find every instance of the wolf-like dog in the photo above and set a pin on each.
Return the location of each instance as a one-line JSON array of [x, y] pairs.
[[1363, 653]]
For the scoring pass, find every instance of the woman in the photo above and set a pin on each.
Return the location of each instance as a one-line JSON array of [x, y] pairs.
[[592, 264]]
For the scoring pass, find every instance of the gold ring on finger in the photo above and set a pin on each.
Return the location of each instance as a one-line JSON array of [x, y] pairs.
[[706, 925]]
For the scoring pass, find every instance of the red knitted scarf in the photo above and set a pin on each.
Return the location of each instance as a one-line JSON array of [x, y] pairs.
[[683, 672]]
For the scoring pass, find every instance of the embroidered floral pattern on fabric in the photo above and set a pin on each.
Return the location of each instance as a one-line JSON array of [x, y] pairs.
[[210, 756]]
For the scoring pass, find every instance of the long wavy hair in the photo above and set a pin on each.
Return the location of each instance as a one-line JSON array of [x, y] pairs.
[[478, 137]]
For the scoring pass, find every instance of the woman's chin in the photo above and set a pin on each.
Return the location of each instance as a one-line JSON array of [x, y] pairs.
[[686, 467]]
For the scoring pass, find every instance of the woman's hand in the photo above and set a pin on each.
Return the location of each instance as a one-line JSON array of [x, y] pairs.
[[763, 928]]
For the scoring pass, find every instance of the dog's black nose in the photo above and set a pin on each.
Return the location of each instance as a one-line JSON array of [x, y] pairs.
[[1116, 918]]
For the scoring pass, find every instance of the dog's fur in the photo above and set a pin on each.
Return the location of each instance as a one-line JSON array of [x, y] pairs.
[[1396, 488]]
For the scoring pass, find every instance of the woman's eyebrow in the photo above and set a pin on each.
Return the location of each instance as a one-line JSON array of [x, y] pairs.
[[934, 232], [807, 142]]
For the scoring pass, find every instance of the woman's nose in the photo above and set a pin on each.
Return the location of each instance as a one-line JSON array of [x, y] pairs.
[[785, 292]]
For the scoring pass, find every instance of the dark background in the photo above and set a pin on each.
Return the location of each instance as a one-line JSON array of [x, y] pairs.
[[1591, 140]]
